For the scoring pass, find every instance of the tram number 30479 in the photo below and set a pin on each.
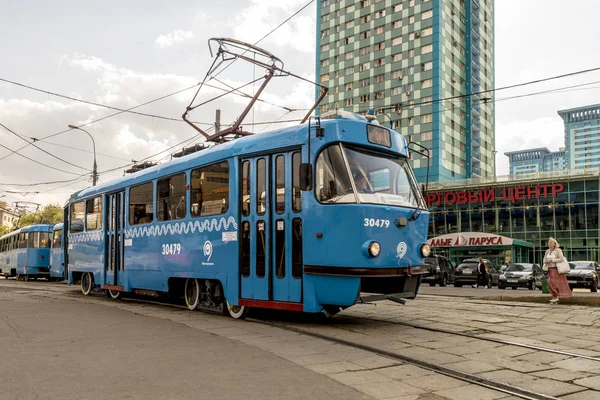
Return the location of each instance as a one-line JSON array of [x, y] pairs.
[[171, 249], [380, 223]]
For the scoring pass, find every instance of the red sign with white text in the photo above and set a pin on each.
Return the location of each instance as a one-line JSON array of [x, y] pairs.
[[515, 193]]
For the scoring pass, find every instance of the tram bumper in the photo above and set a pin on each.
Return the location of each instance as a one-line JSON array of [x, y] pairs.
[[342, 286]]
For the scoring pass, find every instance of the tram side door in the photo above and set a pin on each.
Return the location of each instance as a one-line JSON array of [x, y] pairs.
[[286, 227], [114, 241], [254, 229], [271, 228]]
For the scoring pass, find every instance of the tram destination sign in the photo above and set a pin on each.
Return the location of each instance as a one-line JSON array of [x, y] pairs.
[[515, 193]]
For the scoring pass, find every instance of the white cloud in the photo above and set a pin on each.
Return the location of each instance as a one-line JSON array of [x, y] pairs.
[[173, 38], [262, 16]]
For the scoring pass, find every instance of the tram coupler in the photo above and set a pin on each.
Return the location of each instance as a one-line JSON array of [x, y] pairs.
[[395, 297]]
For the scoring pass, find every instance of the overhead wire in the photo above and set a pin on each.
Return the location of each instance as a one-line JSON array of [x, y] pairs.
[[39, 148], [120, 111], [39, 162], [467, 95]]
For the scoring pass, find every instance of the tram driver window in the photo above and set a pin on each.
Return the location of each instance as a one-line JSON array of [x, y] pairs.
[[210, 190], [332, 180], [171, 198], [141, 204]]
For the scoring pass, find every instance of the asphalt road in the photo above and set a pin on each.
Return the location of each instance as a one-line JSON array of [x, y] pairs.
[[53, 348]]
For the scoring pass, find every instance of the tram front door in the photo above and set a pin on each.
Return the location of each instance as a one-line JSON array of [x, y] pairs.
[[115, 220], [271, 228]]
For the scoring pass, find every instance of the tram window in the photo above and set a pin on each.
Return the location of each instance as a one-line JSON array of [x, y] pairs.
[[39, 240], [57, 240], [333, 183], [210, 190], [245, 249], [141, 205], [297, 248], [261, 249], [77, 216], [171, 198], [296, 192], [93, 214], [246, 188], [280, 182], [23, 240], [261, 179], [380, 180], [280, 249]]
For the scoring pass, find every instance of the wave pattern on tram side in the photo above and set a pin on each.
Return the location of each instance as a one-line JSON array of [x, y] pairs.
[[179, 228], [96, 236]]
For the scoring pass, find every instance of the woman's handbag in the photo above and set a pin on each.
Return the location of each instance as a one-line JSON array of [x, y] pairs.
[[545, 268], [563, 267]]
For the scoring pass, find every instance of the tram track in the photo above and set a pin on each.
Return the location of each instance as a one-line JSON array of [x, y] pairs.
[[506, 388], [488, 339], [502, 387]]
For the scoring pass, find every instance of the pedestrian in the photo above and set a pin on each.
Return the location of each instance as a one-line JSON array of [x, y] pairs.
[[557, 283], [481, 273]]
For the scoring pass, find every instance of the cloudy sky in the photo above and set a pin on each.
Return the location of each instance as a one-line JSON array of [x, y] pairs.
[[123, 54]]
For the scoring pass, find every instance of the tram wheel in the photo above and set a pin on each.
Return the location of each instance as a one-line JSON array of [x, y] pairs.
[[86, 283], [236, 312], [114, 294], [191, 293]]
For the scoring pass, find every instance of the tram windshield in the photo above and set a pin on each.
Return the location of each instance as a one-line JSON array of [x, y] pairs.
[[372, 178]]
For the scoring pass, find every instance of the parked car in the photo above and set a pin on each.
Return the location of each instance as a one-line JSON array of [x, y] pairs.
[[441, 271], [521, 275], [466, 273], [583, 274]]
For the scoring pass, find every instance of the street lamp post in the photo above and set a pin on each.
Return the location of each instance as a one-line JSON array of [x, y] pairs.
[[95, 170]]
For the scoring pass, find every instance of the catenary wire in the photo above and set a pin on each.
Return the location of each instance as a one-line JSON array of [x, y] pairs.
[[39, 148]]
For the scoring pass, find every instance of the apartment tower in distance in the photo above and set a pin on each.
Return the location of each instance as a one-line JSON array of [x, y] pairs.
[[582, 136], [426, 67], [531, 161]]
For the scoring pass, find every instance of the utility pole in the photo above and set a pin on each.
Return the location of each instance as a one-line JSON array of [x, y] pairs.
[[218, 120]]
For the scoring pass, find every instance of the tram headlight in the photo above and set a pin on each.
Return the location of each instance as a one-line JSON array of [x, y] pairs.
[[425, 250], [374, 249]]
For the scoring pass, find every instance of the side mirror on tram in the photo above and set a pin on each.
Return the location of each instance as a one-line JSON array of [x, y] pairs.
[[306, 173]]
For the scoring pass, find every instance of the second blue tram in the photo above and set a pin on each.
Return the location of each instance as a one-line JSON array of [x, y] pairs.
[[306, 218], [26, 252], [57, 257]]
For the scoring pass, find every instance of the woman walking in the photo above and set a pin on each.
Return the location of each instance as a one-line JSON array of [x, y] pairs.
[[557, 283]]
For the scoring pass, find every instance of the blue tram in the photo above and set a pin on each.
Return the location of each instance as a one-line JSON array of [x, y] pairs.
[[307, 218], [57, 256], [25, 253]]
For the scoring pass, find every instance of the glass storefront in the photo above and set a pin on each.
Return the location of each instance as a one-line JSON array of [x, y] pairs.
[[532, 210]]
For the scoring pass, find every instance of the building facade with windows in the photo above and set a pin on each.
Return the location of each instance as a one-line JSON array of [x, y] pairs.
[[7, 217], [529, 209], [424, 67], [531, 161], [582, 136]]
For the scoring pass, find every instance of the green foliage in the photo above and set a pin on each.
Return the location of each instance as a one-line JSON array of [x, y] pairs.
[[4, 229], [51, 214]]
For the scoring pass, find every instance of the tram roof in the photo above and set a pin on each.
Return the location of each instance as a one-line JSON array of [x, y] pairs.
[[257, 143], [30, 228]]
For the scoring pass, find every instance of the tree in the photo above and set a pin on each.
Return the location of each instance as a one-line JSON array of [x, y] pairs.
[[51, 214], [4, 229]]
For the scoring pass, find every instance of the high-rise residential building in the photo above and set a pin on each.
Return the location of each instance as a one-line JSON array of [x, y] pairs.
[[582, 136], [531, 161], [426, 67]]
